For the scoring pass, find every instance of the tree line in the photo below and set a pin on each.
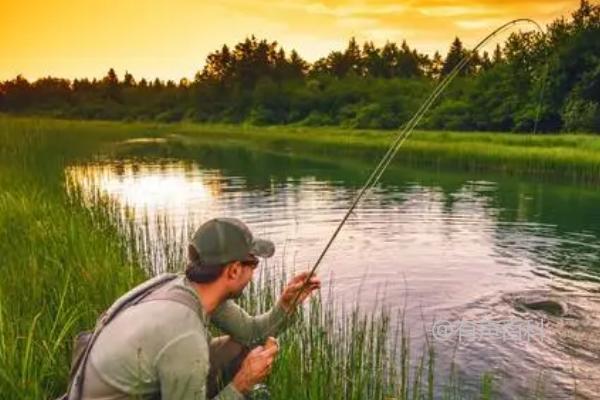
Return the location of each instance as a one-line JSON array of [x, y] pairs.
[[553, 78]]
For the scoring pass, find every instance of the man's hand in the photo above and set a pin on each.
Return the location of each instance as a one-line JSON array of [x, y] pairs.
[[293, 287], [255, 367]]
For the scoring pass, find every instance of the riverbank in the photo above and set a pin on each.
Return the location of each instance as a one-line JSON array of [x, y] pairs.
[[570, 158]]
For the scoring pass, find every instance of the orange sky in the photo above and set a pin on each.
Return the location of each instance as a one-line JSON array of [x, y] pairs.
[[170, 39]]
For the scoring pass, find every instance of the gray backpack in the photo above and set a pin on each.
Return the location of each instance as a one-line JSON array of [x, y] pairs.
[[152, 289]]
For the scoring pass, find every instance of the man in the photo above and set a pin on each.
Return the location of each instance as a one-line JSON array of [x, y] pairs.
[[163, 349]]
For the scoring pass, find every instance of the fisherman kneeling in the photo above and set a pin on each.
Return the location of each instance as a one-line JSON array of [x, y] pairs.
[[160, 346]]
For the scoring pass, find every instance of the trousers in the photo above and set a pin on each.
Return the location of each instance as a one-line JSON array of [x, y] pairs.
[[226, 356]]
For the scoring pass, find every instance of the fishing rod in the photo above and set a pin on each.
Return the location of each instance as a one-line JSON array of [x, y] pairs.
[[407, 130]]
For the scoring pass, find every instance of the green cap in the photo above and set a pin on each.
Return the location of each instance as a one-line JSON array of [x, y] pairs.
[[223, 240]]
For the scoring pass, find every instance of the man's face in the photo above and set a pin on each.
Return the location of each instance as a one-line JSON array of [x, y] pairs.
[[244, 277]]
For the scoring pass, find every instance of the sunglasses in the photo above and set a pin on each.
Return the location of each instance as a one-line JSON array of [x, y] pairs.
[[253, 263]]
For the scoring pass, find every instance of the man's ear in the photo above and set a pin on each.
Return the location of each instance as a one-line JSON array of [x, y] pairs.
[[233, 270]]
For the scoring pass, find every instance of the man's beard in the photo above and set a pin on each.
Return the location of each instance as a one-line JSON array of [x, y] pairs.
[[236, 295]]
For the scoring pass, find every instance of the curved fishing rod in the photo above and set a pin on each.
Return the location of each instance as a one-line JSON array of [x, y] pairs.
[[407, 130]]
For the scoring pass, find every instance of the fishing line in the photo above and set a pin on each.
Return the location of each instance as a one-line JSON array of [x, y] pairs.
[[407, 130]]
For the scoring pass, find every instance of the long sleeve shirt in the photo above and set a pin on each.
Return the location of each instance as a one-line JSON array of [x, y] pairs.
[[160, 349]]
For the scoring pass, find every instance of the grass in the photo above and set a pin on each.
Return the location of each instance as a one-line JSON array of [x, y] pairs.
[[574, 158], [63, 263]]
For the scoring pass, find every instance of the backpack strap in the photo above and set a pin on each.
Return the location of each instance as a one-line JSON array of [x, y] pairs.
[[176, 294], [134, 296]]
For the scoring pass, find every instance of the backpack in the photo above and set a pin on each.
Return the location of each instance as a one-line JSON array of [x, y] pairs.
[[153, 289]]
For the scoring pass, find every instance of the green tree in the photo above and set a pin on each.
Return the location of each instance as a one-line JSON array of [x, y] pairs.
[[353, 58], [407, 62], [497, 58], [455, 54], [128, 80], [436, 65], [372, 60], [111, 85]]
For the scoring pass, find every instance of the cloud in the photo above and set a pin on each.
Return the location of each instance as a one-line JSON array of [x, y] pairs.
[[451, 11], [481, 23], [185, 31], [388, 34], [310, 26], [355, 10], [357, 22]]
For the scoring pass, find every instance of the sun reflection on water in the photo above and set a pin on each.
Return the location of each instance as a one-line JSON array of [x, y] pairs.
[[148, 187]]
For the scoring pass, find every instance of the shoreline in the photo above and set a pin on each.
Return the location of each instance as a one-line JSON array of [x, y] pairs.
[[568, 158]]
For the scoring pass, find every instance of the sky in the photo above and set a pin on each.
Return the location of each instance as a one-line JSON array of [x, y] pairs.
[[170, 39]]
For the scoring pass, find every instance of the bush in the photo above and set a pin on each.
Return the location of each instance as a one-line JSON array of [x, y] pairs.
[[452, 115], [376, 116], [193, 115], [317, 118], [262, 116], [581, 116], [169, 116]]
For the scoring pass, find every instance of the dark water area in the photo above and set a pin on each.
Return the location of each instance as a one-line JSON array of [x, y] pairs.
[[462, 254]]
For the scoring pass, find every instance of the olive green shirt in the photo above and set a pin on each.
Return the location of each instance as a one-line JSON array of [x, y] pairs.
[[159, 349]]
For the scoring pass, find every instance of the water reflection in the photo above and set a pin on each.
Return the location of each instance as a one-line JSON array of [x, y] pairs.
[[153, 187], [443, 247]]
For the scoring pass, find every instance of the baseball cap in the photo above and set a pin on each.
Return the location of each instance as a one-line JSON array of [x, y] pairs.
[[223, 240]]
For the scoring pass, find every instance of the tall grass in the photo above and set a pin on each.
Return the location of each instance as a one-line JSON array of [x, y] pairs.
[[61, 263]]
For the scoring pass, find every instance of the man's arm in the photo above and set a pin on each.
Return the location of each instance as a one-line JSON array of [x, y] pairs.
[[248, 330], [252, 331], [182, 367]]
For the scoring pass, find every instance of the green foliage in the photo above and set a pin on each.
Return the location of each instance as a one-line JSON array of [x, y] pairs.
[[451, 115], [317, 118], [170, 116], [581, 115], [375, 115], [262, 116]]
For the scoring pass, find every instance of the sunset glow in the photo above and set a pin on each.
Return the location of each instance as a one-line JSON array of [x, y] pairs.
[[170, 39]]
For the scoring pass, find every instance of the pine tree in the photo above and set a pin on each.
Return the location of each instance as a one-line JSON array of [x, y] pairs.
[[128, 80], [111, 85], [298, 67], [353, 57], [437, 63], [497, 57], [455, 55], [485, 62], [389, 55], [372, 61]]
